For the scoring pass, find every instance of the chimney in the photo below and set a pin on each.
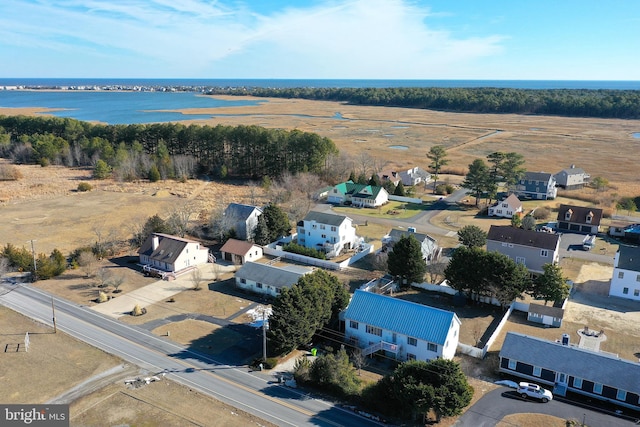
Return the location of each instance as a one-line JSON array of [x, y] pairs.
[[565, 339], [155, 241]]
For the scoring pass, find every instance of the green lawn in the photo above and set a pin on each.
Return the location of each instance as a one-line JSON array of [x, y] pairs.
[[392, 210]]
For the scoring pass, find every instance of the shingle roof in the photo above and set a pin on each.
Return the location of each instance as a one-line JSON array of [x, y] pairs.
[[579, 214], [325, 218], [546, 310], [168, 250], [404, 317], [537, 176], [573, 171], [240, 211], [396, 234], [574, 361], [629, 258], [271, 275], [518, 236], [236, 247]]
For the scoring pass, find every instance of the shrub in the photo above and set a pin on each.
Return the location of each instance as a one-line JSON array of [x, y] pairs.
[[102, 297], [301, 250], [441, 189], [9, 173], [542, 213], [138, 311], [84, 186]]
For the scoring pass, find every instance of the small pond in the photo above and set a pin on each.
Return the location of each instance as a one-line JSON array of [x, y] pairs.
[[399, 147], [636, 135]]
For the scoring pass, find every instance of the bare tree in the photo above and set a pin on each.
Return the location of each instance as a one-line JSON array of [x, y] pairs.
[[184, 166], [196, 279], [103, 277], [365, 163], [215, 272], [116, 282], [359, 360], [435, 271], [88, 263], [4, 266], [338, 167], [179, 217]]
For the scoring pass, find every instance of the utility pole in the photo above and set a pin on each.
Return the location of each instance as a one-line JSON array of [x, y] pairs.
[[264, 334], [35, 267], [53, 310]]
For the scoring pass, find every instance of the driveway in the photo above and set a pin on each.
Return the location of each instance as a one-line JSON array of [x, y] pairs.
[[571, 247], [155, 292], [503, 401]]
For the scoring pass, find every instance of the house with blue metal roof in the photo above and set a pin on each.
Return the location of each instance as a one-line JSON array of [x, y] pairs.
[[572, 369], [402, 329]]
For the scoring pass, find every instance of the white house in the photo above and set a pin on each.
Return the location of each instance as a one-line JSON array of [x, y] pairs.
[[239, 251], [402, 329], [366, 196], [625, 282], [163, 252], [507, 207], [409, 177], [327, 232], [428, 245], [268, 279], [572, 178], [243, 219]]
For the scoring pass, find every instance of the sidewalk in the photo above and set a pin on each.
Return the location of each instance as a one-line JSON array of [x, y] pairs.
[[156, 292]]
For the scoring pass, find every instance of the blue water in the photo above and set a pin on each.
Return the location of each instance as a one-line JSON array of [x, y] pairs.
[[276, 83], [127, 107], [118, 107], [636, 134]]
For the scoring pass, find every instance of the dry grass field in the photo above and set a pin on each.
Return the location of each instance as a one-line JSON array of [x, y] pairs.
[[44, 205]]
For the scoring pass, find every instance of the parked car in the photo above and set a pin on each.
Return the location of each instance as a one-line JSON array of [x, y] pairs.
[[534, 390]]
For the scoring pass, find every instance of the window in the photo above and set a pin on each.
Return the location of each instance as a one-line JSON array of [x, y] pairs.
[[278, 290], [625, 291], [334, 229], [520, 260], [374, 331], [323, 227], [510, 245], [577, 382], [537, 371], [638, 278], [353, 324], [620, 274], [324, 236], [597, 388], [636, 292], [589, 218], [259, 285], [243, 281], [314, 226], [512, 364], [412, 341], [544, 253], [411, 356], [432, 347], [504, 244], [621, 395]]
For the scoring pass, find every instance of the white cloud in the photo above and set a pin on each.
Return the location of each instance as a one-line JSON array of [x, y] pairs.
[[192, 38]]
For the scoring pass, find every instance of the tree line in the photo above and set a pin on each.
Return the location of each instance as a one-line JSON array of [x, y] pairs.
[[176, 150], [606, 103]]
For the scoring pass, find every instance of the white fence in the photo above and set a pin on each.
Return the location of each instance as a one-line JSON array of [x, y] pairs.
[[275, 249], [405, 199]]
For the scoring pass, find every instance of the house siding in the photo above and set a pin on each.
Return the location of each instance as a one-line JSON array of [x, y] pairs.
[[533, 260]]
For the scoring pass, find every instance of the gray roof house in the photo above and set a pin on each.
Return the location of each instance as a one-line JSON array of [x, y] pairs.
[[569, 368], [572, 178], [625, 282], [268, 279], [537, 186], [545, 314], [243, 219], [531, 248], [240, 252], [166, 253], [428, 244], [579, 219]]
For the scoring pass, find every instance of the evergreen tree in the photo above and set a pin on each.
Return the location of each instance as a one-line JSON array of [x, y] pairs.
[[472, 236], [528, 223], [362, 179], [477, 179], [154, 173], [551, 285], [374, 180], [352, 177], [389, 186], [437, 154], [101, 170], [399, 190], [277, 222], [261, 232], [406, 261]]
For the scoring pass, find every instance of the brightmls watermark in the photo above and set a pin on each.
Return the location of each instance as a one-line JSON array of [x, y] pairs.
[[34, 415]]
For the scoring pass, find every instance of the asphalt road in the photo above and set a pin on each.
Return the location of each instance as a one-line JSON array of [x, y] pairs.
[[499, 403], [254, 393]]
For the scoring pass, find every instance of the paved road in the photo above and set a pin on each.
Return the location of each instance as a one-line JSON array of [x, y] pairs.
[[252, 392], [499, 403]]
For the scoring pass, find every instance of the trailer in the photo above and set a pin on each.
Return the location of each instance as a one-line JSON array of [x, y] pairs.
[[589, 242]]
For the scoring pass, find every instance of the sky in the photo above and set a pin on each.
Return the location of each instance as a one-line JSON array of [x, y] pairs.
[[321, 39]]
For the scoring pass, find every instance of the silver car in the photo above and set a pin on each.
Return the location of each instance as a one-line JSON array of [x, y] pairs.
[[534, 390]]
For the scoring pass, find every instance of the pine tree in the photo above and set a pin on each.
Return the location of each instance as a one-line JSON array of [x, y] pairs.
[[406, 261], [399, 190]]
